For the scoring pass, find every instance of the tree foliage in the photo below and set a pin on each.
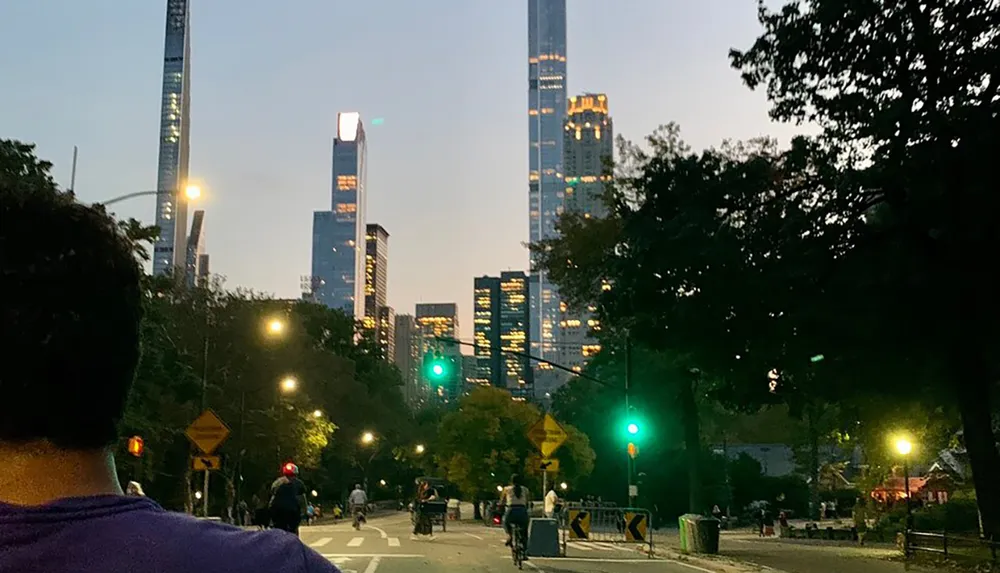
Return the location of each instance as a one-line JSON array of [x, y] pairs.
[[485, 440]]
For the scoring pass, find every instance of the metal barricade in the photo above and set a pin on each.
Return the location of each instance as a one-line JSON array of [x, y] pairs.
[[605, 524]]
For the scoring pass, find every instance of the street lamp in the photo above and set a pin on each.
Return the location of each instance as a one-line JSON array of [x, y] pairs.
[[315, 493], [381, 482], [904, 447], [419, 449], [367, 438], [289, 384], [275, 327], [564, 486], [191, 192], [317, 413]]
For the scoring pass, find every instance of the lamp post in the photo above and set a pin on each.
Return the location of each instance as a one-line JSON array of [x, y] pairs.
[[904, 447], [191, 192]]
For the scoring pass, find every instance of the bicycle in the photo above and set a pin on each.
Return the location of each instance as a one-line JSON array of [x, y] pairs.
[[518, 546]]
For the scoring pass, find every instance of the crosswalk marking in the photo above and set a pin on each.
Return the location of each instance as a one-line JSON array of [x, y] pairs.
[[583, 546], [606, 546], [356, 542], [393, 542], [593, 546], [321, 542]]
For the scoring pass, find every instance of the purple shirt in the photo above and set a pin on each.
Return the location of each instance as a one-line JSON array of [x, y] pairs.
[[115, 534]]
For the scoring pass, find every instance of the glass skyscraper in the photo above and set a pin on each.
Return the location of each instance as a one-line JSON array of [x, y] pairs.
[[169, 251], [546, 114], [501, 326], [376, 272], [339, 235]]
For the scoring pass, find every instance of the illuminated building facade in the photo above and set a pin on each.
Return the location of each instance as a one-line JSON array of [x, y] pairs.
[[385, 332], [588, 147], [440, 320], [169, 252], [486, 319], [376, 272], [546, 114], [338, 262], [406, 356], [503, 318]]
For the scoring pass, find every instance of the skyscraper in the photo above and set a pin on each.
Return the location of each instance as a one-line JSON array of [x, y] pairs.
[[385, 332], [376, 272], [486, 330], [339, 234], [194, 253], [440, 320], [407, 358], [546, 114], [175, 124], [588, 146], [501, 328]]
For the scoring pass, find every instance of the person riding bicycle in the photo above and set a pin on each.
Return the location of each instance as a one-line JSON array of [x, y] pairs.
[[357, 501], [288, 499], [515, 499]]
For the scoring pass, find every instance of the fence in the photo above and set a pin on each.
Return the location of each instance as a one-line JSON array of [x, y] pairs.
[[965, 548], [603, 524]]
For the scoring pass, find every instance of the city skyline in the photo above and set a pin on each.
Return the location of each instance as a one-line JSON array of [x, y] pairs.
[[291, 86]]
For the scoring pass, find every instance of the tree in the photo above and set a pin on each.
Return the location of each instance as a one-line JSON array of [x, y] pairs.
[[485, 440], [906, 94]]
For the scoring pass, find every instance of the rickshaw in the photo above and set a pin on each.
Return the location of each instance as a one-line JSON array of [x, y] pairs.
[[433, 511]]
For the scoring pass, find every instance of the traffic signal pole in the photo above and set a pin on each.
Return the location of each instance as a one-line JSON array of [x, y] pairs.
[[630, 461]]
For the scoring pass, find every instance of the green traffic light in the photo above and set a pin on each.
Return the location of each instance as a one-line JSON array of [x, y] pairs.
[[437, 370], [632, 428]]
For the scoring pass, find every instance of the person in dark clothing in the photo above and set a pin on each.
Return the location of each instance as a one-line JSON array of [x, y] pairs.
[[288, 499]]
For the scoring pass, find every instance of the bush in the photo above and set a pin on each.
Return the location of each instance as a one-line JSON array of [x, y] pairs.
[[956, 516]]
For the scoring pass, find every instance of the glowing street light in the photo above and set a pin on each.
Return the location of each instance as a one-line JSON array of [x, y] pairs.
[[904, 446], [197, 495], [317, 413], [381, 482], [367, 438], [289, 384], [192, 192], [420, 448], [315, 493], [275, 327], [564, 486]]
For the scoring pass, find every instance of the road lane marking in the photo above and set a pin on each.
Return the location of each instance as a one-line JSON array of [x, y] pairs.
[[356, 542], [474, 536], [321, 542], [334, 556], [689, 566], [373, 565], [598, 560], [381, 532], [393, 542]]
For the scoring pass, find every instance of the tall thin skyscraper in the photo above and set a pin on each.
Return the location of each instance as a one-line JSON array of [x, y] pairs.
[[407, 359], [338, 258], [546, 114], [175, 124], [588, 145], [486, 330], [376, 272]]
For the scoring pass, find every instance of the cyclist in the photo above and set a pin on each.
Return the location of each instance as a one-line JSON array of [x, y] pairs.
[[288, 499], [515, 499], [357, 501]]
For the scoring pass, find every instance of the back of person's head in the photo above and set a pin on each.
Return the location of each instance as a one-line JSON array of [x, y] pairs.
[[69, 316], [517, 482]]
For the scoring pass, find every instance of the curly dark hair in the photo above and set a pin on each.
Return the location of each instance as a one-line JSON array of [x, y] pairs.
[[69, 315]]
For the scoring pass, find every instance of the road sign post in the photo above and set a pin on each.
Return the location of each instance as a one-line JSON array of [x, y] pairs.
[[207, 433], [547, 435]]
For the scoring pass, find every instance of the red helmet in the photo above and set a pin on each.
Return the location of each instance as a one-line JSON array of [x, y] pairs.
[[289, 470]]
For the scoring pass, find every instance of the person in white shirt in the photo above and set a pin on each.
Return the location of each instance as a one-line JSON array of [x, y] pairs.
[[357, 502], [551, 499], [515, 498]]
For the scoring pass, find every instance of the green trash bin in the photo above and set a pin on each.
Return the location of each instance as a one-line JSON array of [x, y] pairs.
[[699, 534]]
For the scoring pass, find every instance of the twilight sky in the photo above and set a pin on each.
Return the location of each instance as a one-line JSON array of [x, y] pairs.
[[447, 169]]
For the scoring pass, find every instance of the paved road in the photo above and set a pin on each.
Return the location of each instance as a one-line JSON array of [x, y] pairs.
[[385, 546]]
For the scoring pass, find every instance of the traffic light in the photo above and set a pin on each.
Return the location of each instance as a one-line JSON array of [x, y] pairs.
[[438, 368], [633, 450], [135, 446]]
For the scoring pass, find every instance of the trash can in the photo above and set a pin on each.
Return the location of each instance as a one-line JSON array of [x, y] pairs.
[[699, 534]]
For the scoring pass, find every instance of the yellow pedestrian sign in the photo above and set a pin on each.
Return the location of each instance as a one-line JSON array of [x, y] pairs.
[[206, 463], [547, 435], [579, 524], [635, 526], [207, 432]]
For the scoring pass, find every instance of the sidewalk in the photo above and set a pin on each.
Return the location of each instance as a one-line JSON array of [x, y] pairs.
[[741, 551]]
